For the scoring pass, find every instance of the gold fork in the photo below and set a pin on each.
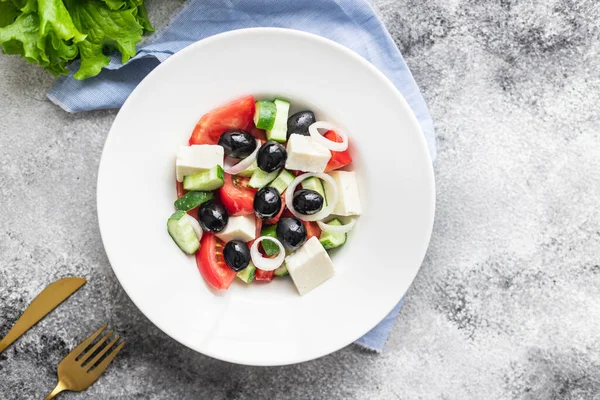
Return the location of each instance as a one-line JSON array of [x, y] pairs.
[[80, 368]]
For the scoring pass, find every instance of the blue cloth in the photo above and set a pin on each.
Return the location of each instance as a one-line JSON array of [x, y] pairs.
[[353, 23]]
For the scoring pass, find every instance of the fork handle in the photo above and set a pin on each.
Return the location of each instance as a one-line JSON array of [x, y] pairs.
[[60, 387]]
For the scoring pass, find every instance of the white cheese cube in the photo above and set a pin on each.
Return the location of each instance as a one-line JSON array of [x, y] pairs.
[[309, 266], [304, 154], [348, 200], [239, 228], [196, 158]]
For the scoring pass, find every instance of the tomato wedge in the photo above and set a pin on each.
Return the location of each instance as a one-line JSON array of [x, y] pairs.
[[236, 196], [287, 214], [259, 224], [193, 213], [264, 275], [180, 192], [258, 134], [211, 263], [238, 114], [312, 229], [338, 159]]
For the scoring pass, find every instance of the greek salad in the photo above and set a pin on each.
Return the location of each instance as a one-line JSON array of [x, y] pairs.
[[263, 194]]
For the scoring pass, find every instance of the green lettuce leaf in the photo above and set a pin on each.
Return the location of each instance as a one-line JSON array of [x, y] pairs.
[[8, 13], [26, 6], [29, 6], [21, 37], [52, 33], [58, 54], [54, 16], [115, 4], [105, 27], [142, 18]]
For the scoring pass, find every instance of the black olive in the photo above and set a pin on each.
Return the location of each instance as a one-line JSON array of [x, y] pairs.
[[299, 123], [237, 143], [271, 156], [307, 201], [237, 255], [213, 216], [291, 232], [267, 202]]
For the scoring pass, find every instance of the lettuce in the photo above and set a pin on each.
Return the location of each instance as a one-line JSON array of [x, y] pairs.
[[53, 33], [8, 13]]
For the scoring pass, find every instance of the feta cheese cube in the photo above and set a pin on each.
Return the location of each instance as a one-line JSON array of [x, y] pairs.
[[348, 200], [304, 154], [239, 228], [197, 158], [309, 266]]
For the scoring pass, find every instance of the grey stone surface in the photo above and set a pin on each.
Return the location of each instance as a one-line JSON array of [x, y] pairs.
[[506, 305]]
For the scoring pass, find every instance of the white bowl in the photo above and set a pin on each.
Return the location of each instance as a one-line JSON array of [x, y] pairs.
[[266, 324]]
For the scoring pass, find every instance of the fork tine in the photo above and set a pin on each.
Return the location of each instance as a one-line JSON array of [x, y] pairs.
[[96, 372], [102, 352], [77, 351], [90, 352]]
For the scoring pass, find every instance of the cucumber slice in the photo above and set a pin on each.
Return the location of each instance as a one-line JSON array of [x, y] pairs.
[[279, 131], [270, 248], [192, 200], [208, 180], [281, 271], [182, 233], [261, 178], [282, 181], [317, 185], [248, 273], [250, 170], [264, 116], [332, 240]]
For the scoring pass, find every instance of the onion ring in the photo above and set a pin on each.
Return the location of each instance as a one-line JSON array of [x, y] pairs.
[[331, 145], [337, 229], [331, 203], [267, 264]]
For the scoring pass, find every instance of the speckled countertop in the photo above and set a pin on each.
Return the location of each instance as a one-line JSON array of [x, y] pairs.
[[506, 305]]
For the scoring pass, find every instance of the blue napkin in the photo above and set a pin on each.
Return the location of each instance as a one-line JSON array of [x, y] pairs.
[[353, 23]]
